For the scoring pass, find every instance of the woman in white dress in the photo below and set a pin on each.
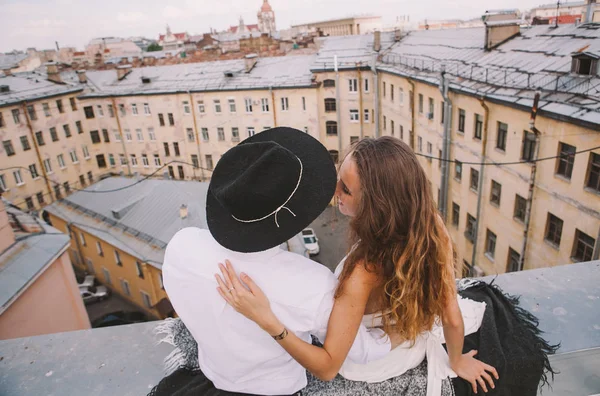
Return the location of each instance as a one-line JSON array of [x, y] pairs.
[[399, 275]]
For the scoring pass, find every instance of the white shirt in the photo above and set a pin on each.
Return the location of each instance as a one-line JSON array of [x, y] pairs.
[[234, 352]]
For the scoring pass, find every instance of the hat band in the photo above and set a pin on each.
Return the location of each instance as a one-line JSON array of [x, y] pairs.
[[276, 211]]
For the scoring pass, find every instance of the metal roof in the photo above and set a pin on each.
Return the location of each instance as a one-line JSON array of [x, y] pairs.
[[9, 61], [133, 230], [31, 86]]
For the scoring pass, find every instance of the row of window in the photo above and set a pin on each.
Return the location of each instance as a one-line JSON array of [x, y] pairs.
[[39, 138], [32, 111], [58, 192]]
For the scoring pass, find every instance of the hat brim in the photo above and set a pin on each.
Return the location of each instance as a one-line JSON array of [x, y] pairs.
[[314, 193]]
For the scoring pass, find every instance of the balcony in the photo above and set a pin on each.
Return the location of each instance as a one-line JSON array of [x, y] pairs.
[[126, 360]]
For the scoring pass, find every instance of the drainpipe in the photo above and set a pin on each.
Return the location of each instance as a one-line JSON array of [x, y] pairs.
[[445, 145], [376, 94], [411, 133], [196, 134], [480, 186], [537, 134], [337, 104], [71, 232], [360, 100], [116, 110], [37, 151], [274, 106]]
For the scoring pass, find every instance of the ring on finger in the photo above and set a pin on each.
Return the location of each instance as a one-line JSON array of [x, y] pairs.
[[233, 288]]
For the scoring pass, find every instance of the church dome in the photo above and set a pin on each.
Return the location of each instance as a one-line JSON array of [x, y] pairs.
[[266, 7]]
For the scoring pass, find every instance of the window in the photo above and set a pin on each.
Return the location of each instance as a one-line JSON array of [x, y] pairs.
[[67, 130], [205, 136], [117, 135], [392, 92], [90, 177], [528, 151], [248, 104], [57, 192], [2, 123], [554, 227], [86, 153], [145, 160], [458, 170], [186, 107], [59, 106], [221, 134], [470, 229], [29, 203], [39, 137], [209, 162], [111, 160], [331, 128], [171, 173], [384, 123], [329, 83], [73, 155], [180, 170], [82, 239], [478, 127], [16, 116], [490, 244], [146, 299], [474, 182], [190, 134], [118, 258], [31, 112], [593, 173], [8, 147], [139, 270], [217, 103], [564, 164], [366, 116], [134, 109], [496, 193], [384, 90], [73, 104], [420, 103], [520, 207], [201, 108], [176, 149], [235, 134], [455, 214], [161, 119], [33, 171], [89, 112], [354, 115], [101, 161], [82, 179], [106, 274], [266, 127], [439, 158], [443, 109], [429, 151], [128, 136], [122, 110], [195, 162], [265, 104], [285, 106], [401, 96], [420, 144], [303, 103], [330, 105], [101, 111], [584, 65], [251, 131], [157, 162], [111, 110], [461, 120], [46, 109], [79, 127], [232, 108], [61, 161], [335, 156], [3, 185], [99, 249], [151, 134], [125, 287], [353, 139], [139, 135], [147, 109], [513, 262], [105, 136], [501, 137], [166, 147], [353, 85], [583, 247], [171, 119], [95, 137], [40, 198], [431, 113], [401, 132], [47, 165]]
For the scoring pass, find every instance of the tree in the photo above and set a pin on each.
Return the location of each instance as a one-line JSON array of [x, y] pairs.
[[154, 47]]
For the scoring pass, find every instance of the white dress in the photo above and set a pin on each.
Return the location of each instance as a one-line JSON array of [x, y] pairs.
[[408, 355]]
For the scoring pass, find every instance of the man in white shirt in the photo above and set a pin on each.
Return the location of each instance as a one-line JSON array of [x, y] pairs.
[[262, 192]]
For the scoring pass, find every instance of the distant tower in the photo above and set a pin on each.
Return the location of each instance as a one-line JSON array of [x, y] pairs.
[[266, 18]]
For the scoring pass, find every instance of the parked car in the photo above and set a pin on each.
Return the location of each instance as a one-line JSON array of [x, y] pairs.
[[93, 294], [87, 282], [311, 242], [119, 318]]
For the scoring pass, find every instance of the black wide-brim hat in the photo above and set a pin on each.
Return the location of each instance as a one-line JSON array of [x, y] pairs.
[[269, 188]]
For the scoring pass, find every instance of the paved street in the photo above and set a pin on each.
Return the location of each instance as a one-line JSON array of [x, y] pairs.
[[331, 228]]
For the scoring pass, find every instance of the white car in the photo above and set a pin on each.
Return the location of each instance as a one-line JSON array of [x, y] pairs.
[[87, 282], [93, 294], [311, 242]]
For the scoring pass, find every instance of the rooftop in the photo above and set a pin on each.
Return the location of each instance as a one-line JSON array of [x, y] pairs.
[[32, 86], [350, 50], [9, 61], [126, 360], [562, 5]]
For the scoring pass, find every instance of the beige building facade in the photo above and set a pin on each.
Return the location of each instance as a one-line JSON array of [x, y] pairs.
[[343, 27]]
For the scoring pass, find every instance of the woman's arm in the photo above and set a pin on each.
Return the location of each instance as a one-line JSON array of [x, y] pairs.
[[342, 328]]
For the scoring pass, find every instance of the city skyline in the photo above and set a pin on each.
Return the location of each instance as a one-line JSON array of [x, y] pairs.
[[37, 24]]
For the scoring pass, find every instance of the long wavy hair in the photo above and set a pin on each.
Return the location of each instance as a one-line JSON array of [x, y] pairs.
[[398, 234]]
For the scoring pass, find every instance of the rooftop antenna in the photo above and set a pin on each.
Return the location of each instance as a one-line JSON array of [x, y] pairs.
[[557, 11]]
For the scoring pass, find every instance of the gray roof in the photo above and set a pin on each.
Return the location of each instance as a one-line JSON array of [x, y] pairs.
[[9, 61], [349, 50], [31, 86], [562, 5], [135, 231], [28, 256], [276, 72], [538, 59]]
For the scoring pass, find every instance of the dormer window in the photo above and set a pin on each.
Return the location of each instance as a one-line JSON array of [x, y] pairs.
[[585, 64]]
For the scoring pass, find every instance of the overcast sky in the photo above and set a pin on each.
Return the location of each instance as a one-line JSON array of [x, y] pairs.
[[37, 23]]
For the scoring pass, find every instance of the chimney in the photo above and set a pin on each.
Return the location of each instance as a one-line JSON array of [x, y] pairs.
[[183, 211], [82, 76], [123, 71], [589, 11], [376, 41], [397, 34], [52, 72], [249, 62], [7, 72], [500, 26]]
